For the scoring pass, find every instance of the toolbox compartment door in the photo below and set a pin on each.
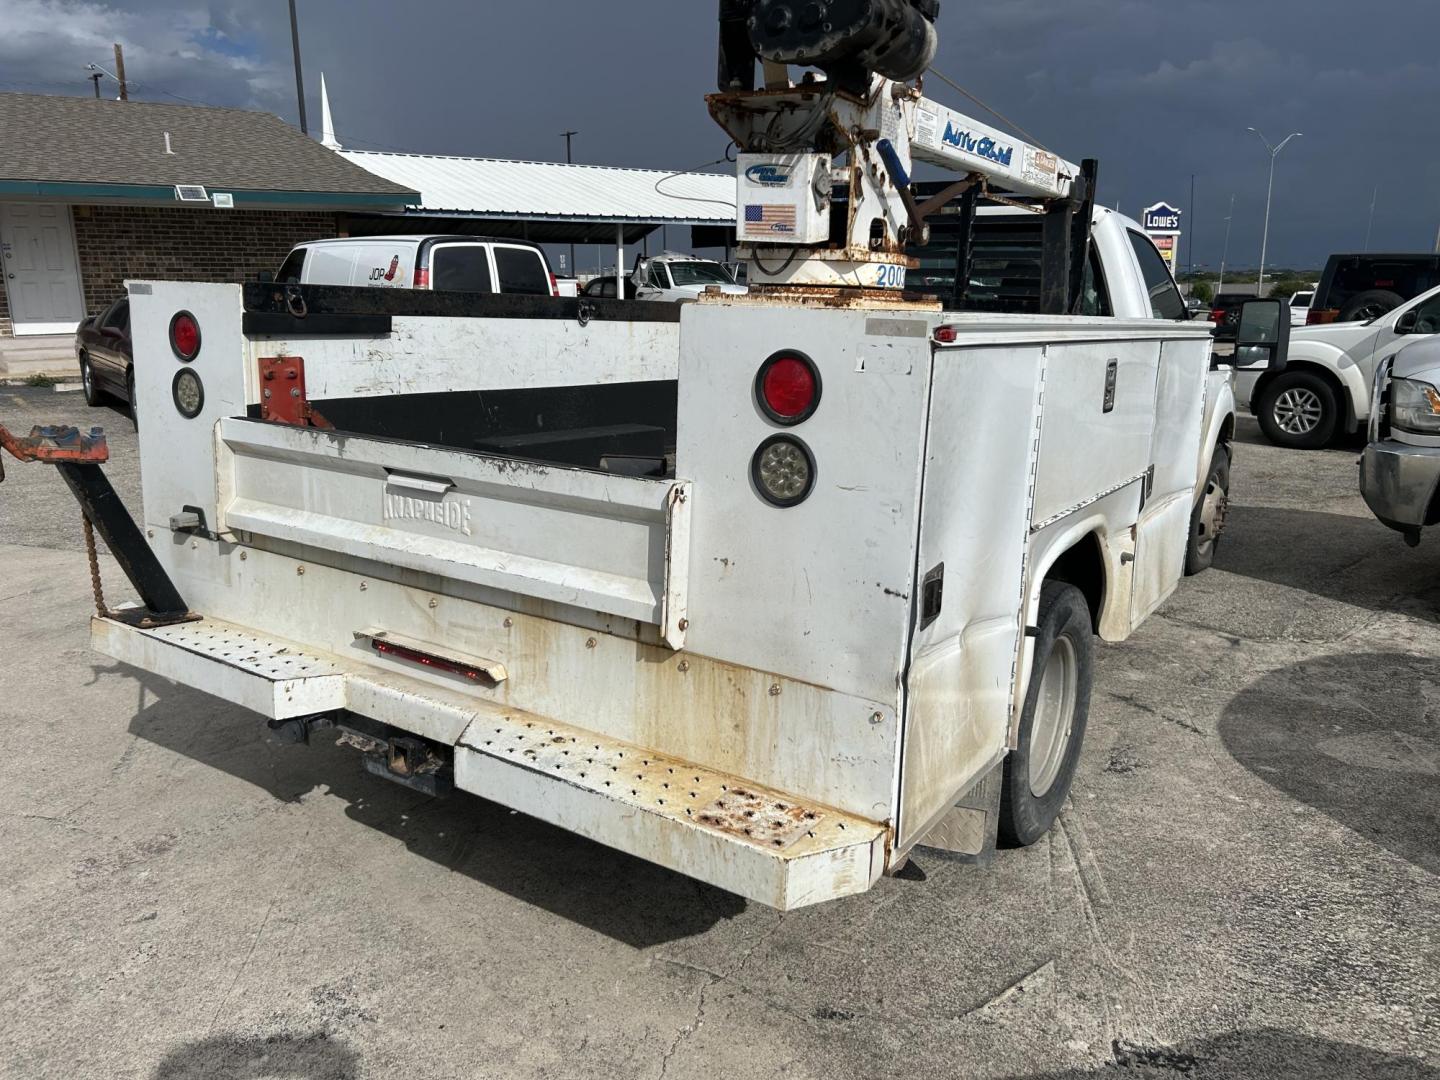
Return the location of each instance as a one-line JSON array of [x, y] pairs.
[[613, 544]]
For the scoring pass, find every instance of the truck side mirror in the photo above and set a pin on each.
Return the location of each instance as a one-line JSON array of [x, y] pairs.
[[1262, 337], [1407, 323]]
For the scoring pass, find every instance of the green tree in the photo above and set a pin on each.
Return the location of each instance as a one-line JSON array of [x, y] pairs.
[[1203, 291]]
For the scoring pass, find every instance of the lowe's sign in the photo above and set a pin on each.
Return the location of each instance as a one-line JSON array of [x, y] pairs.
[[1162, 218]]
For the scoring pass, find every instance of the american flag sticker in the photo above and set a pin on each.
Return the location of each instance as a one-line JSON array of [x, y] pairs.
[[769, 220]]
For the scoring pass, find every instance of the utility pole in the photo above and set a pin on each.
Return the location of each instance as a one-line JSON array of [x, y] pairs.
[[299, 78], [1370, 228], [1226, 253], [1190, 259], [569, 160], [1269, 194], [120, 73]]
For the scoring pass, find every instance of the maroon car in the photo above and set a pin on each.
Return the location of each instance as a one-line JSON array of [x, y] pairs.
[[107, 366]]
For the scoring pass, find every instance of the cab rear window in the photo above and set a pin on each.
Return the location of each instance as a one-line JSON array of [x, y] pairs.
[[522, 271]]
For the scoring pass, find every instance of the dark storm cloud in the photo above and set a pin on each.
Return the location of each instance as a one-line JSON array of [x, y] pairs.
[[1157, 91]]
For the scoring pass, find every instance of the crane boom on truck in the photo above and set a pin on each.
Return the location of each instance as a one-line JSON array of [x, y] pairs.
[[825, 164], [769, 589]]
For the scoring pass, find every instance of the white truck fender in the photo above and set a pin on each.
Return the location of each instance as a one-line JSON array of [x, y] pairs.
[[1219, 424], [1340, 364]]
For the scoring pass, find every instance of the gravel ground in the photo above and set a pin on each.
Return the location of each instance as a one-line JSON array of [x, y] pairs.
[[1247, 883]]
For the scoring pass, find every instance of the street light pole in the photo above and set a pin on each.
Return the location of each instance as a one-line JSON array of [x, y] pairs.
[[1370, 228], [1269, 194]]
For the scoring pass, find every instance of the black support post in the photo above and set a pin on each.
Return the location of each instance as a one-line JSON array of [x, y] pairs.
[[100, 503], [965, 246]]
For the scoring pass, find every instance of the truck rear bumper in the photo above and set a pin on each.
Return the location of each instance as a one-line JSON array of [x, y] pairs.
[[762, 844]]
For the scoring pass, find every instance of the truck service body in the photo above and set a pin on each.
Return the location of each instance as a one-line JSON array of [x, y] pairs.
[[766, 588]]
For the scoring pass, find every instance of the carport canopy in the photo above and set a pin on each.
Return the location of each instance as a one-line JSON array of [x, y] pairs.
[[549, 202]]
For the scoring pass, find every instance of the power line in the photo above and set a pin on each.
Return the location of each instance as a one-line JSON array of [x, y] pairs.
[[992, 111]]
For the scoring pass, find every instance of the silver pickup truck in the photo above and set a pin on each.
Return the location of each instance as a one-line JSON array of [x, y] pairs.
[[1400, 469]]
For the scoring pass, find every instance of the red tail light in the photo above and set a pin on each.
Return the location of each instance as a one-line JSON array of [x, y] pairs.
[[185, 336], [1217, 316], [787, 388], [1322, 316], [437, 663], [422, 277], [554, 286]]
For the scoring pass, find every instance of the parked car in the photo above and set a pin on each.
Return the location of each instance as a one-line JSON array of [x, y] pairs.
[[436, 262], [603, 288], [1358, 288], [1300, 307], [1225, 312], [1325, 385], [1400, 469], [682, 277], [102, 347]]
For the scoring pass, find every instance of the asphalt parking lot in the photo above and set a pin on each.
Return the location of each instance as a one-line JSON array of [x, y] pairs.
[[1247, 883]]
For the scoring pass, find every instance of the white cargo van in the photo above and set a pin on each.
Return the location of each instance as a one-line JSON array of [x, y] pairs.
[[440, 263]]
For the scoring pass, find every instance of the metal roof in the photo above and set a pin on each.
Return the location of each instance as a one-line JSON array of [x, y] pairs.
[[126, 148], [553, 191]]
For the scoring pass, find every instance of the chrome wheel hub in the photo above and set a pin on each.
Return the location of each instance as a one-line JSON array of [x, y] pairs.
[[1298, 411], [1214, 510], [1054, 716]]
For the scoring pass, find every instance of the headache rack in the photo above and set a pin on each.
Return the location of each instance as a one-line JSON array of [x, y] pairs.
[[972, 262]]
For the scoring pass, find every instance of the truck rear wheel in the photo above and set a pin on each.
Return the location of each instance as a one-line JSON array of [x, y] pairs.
[[1038, 773], [1207, 523]]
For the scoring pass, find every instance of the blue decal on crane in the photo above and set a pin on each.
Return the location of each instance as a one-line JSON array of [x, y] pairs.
[[983, 147], [769, 175]]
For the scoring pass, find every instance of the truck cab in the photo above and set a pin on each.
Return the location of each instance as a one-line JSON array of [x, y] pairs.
[[672, 277]]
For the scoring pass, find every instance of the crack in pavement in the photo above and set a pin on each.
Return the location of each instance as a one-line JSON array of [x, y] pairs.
[[713, 978]]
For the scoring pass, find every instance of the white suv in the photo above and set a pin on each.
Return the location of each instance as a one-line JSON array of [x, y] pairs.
[[1324, 388]]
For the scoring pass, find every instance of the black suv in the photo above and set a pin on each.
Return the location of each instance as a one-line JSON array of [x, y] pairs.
[[1359, 288], [1225, 312]]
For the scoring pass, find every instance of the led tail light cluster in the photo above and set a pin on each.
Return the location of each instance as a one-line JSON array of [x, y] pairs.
[[787, 393], [186, 390]]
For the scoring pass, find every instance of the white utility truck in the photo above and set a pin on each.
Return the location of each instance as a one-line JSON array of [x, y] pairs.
[[767, 589]]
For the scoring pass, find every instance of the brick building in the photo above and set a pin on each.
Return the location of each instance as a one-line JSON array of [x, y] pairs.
[[94, 192]]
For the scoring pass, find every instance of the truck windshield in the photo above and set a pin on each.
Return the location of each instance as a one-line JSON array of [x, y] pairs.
[[698, 273]]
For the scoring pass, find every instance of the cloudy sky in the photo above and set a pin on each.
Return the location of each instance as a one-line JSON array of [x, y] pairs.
[[1157, 91]]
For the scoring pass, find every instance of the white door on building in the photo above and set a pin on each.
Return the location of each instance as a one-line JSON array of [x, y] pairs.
[[42, 273]]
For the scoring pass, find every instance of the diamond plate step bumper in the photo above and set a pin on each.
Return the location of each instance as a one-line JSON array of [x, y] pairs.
[[766, 845]]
